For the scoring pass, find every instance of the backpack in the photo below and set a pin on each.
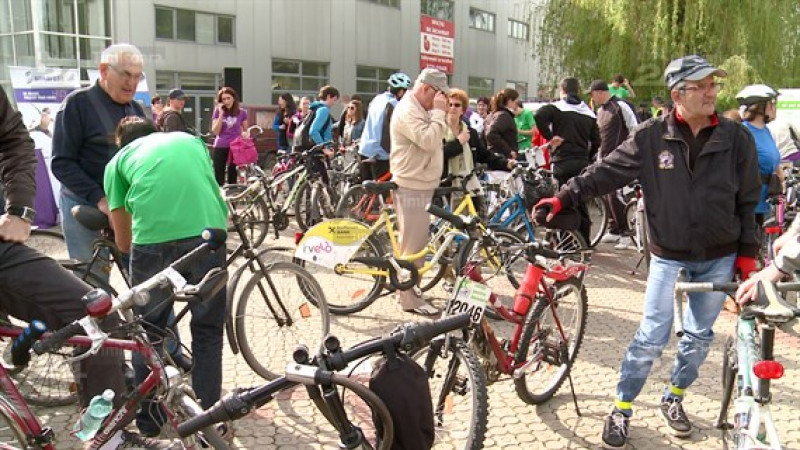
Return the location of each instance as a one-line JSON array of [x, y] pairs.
[[403, 386], [301, 140]]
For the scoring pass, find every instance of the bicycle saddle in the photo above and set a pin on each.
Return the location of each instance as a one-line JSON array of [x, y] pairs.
[[90, 217], [769, 306], [379, 188]]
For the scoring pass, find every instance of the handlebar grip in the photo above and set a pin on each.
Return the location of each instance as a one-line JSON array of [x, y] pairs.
[[422, 333], [56, 339], [197, 423], [231, 407], [456, 221], [214, 237], [21, 348], [541, 214]]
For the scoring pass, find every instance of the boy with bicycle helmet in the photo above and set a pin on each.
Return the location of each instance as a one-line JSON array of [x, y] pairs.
[[375, 142]]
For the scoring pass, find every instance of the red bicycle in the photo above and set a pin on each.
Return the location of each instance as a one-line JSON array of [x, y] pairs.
[[356, 203], [21, 429]]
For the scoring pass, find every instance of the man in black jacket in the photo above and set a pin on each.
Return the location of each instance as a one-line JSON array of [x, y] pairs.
[[171, 119], [571, 127], [699, 175]]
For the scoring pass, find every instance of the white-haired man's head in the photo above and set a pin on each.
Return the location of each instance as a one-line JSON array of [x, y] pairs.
[[121, 69]]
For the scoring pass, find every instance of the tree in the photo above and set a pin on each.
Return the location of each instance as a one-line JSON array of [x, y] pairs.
[[756, 42]]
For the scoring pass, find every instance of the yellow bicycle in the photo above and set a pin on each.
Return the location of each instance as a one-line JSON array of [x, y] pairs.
[[354, 268]]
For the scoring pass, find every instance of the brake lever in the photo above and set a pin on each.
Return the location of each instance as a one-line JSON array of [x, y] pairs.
[[95, 333]]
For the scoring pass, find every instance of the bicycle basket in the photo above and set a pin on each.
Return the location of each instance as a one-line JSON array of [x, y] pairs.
[[242, 151], [536, 188]]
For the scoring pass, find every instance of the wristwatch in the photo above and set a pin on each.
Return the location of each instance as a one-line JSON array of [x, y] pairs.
[[23, 212]]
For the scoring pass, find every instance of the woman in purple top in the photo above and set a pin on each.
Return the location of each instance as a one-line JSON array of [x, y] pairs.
[[228, 122]]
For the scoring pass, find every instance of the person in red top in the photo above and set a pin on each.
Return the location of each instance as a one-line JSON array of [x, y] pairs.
[[699, 176]]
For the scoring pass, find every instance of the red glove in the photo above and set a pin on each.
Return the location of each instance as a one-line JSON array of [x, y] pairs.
[[546, 209], [745, 266]]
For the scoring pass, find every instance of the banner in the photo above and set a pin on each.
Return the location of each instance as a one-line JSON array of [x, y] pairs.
[[437, 38], [789, 105]]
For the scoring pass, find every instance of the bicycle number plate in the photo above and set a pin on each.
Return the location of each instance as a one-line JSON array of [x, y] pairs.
[[331, 243], [469, 296]]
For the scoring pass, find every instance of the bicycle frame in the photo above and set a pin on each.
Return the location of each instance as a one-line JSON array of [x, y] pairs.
[[517, 212]]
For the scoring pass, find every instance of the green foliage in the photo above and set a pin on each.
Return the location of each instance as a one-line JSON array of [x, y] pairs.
[[755, 41]]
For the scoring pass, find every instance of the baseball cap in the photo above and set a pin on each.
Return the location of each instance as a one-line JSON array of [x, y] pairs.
[[176, 94], [435, 78], [690, 68], [597, 85]]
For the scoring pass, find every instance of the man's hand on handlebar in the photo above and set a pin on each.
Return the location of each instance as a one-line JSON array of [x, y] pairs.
[[748, 290], [546, 209]]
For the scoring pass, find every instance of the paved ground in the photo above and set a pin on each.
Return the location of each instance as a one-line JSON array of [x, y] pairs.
[[615, 302]]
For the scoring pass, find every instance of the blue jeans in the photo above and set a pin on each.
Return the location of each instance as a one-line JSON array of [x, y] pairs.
[[656, 326], [79, 238], [206, 325]]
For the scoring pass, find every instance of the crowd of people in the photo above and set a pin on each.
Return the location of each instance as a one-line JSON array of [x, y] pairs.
[[705, 179]]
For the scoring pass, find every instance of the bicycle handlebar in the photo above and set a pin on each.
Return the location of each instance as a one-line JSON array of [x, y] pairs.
[[238, 404], [136, 295], [766, 306]]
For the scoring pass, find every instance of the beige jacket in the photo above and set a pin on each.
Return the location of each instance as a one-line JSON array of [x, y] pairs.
[[416, 159]]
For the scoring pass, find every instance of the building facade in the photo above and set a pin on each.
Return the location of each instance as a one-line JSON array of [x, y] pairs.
[[274, 46]]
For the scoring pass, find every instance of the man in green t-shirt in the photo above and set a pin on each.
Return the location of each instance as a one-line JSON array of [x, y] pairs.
[[162, 193], [525, 126], [621, 88]]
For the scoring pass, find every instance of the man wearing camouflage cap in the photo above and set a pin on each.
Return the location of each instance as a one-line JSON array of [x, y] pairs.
[[699, 175]]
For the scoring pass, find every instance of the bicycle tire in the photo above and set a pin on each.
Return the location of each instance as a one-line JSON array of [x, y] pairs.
[[642, 231], [356, 204], [13, 430], [537, 327], [379, 414], [456, 394], [189, 408], [302, 206], [255, 321], [321, 204], [598, 214], [255, 220], [48, 242], [566, 241], [353, 292]]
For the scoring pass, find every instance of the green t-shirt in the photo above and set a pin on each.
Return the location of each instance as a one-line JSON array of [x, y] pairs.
[[620, 92], [524, 121], [165, 181]]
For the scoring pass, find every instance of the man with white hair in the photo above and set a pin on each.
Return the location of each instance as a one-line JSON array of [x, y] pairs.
[[83, 140]]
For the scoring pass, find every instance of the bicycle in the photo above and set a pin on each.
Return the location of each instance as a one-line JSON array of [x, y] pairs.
[[319, 374], [549, 324], [637, 221], [356, 203], [748, 364], [22, 428], [355, 251]]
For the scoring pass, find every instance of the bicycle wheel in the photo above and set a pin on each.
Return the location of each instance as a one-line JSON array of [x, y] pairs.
[[458, 391], [598, 214], [48, 242], [273, 314], [322, 207], [302, 206], [187, 407], [566, 241], [13, 430], [641, 224], [363, 408], [253, 215], [350, 292], [356, 204], [542, 348]]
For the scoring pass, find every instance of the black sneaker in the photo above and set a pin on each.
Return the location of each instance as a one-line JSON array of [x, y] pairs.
[[131, 439], [615, 430], [675, 418]]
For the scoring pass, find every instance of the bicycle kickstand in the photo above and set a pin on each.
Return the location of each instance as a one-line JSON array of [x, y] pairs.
[[571, 384], [641, 260]]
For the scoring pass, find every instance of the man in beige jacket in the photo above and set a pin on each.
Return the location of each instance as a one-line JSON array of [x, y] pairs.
[[416, 160]]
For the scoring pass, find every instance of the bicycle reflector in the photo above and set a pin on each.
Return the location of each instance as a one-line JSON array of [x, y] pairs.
[[768, 370], [298, 235]]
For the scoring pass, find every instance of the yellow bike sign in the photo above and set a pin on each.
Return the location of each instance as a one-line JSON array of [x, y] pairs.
[[331, 243]]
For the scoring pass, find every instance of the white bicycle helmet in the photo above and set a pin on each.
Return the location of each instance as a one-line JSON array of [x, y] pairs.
[[400, 80], [756, 93]]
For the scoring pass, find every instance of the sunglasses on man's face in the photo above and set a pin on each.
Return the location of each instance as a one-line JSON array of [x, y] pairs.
[[455, 105]]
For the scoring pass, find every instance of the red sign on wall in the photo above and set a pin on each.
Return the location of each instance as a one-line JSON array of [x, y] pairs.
[[436, 44]]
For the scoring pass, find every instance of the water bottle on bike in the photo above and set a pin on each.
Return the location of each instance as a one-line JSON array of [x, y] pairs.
[[93, 417]]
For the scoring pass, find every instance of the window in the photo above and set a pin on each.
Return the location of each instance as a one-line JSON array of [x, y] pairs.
[[440, 9], [392, 3], [5, 20], [371, 81], [519, 86], [299, 78], [21, 15], [94, 17], [194, 26], [481, 20], [517, 30], [91, 49], [57, 15], [188, 81], [480, 87]]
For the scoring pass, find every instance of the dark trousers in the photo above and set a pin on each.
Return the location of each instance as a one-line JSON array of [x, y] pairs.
[[221, 167], [207, 323], [618, 223], [374, 169], [563, 171], [33, 286]]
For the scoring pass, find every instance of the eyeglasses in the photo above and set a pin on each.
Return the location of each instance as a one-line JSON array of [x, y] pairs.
[[715, 87], [455, 105], [435, 89], [127, 75]]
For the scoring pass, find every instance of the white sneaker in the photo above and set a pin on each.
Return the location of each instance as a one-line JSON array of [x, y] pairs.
[[609, 238], [625, 243]]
